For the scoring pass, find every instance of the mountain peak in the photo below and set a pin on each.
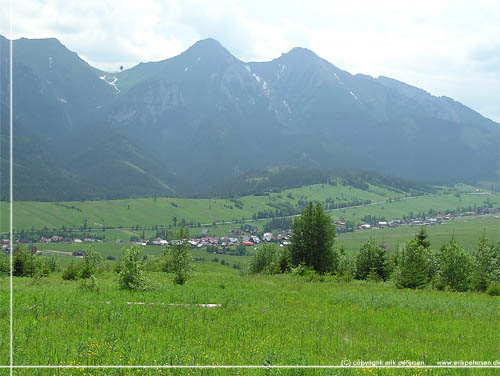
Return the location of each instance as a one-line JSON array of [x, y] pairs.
[[301, 51], [208, 46]]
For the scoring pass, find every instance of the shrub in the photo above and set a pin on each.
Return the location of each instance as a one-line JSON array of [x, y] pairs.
[[4, 265], [493, 289], [72, 272], [308, 273], [178, 259], [23, 263], [53, 265], [91, 284], [346, 269], [263, 259], [131, 274], [92, 262]]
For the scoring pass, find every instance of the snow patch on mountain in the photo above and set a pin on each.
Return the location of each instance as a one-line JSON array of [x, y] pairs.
[[256, 77], [287, 106], [281, 71], [354, 95], [111, 81]]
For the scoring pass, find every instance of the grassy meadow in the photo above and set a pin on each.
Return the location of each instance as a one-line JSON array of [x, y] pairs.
[[466, 231], [161, 211], [264, 320]]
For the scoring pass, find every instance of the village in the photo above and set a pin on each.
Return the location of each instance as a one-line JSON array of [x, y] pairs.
[[250, 236]]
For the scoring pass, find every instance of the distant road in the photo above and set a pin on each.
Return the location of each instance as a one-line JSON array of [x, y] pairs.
[[60, 253], [246, 220]]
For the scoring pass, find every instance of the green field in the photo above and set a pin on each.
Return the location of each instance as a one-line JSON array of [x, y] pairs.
[[161, 211], [264, 320], [466, 230]]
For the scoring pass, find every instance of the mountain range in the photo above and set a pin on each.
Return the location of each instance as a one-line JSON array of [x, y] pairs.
[[184, 125]]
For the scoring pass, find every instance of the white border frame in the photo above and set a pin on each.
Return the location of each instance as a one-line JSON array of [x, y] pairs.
[[11, 365]]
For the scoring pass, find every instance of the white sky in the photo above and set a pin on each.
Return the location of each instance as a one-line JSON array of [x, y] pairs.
[[446, 47]]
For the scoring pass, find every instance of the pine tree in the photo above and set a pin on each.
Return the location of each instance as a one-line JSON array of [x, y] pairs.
[[482, 263], [421, 238], [454, 266], [371, 256], [411, 271]]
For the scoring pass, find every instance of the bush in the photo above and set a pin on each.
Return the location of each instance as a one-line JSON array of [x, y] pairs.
[[178, 259], [92, 263], [493, 289], [23, 263], [91, 284], [263, 259], [4, 265], [72, 272], [131, 274], [53, 265], [346, 269], [308, 273]]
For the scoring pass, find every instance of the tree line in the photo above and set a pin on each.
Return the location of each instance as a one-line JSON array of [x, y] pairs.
[[417, 265]]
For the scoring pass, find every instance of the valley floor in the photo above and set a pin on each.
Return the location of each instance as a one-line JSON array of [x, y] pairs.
[[264, 320]]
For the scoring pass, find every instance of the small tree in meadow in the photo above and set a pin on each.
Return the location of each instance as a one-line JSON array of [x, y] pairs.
[[371, 258], [411, 271], [24, 264], [178, 258], [92, 261], [131, 275], [483, 261], [312, 239], [263, 260], [421, 238], [454, 270]]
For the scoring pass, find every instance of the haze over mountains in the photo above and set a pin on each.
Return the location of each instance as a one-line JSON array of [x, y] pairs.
[[185, 124]]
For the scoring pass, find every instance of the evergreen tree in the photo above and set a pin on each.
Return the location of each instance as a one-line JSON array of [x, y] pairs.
[[312, 239], [411, 271], [421, 238], [371, 257], [482, 264], [454, 267]]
